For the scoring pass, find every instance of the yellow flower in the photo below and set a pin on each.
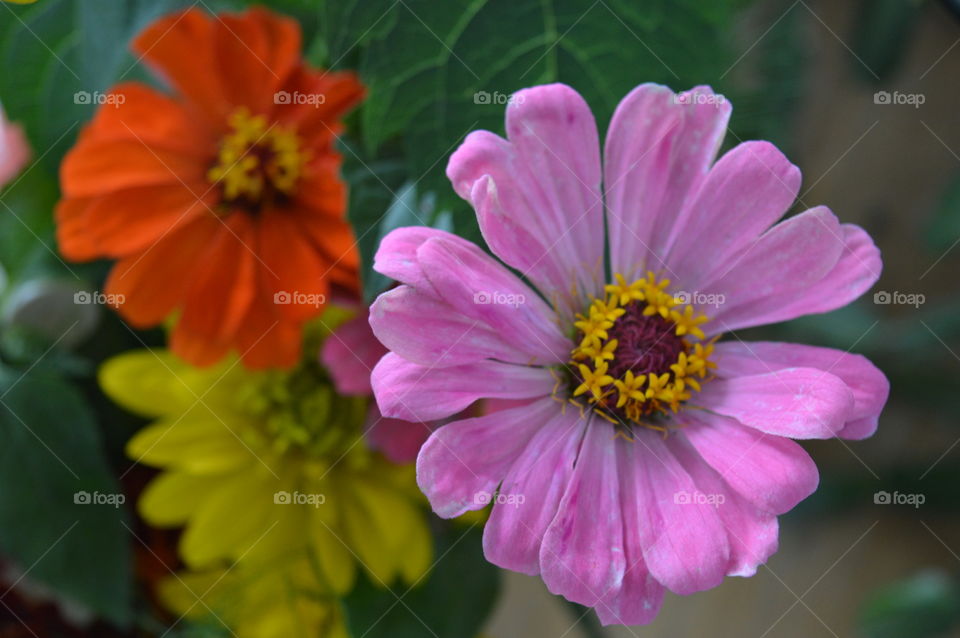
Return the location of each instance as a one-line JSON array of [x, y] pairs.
[[256, 601], [257, 465]]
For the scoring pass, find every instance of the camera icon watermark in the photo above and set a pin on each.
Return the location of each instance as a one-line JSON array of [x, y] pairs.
[[316, 100], [296, 298], [485, 498], [97, 498], [495, 298], [897, 98], [99, 98], [485, 97], [86, 298], [697, 298], [684, 497], [896, 498], [299, 498], [693, 97], [897, 298]]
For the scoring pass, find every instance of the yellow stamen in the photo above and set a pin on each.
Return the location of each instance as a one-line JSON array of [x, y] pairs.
[[638, 395], [256, 156]]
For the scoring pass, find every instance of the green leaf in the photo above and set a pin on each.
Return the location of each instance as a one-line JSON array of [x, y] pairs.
[[923, 606], [26, 222], [883, 31], [50, 457], [431, 65], [944, 226], [408, 208], [453, 601]]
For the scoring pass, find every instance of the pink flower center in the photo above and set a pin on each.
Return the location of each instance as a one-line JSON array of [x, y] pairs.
[[641, 353], [646, 344]]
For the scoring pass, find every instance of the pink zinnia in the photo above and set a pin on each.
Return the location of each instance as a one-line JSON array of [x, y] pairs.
[[349, 353], [646, 454], [14, 150]]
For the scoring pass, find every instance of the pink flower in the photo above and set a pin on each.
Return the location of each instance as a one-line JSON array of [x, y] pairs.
[[14, 150], [647, 455], [349, 354]]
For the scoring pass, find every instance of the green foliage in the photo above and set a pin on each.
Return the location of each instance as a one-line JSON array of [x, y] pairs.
[[50, 452], [883, 32], [437, 71], [925, 605], [451, 602]]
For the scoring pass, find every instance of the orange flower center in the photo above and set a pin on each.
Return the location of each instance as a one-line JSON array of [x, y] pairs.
[[257, 161]]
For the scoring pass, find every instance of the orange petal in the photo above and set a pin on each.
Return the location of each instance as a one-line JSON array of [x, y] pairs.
[[142, 113], [256, 52], [332, 236], [266, 339], [293, 272], [222, 288], [180, 48], [95, 167], [155, 281], [74, 239], [322, 189], [340, 91], [131, 220]]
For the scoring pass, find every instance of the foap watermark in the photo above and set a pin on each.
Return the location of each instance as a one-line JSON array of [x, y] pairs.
[[898, 98], [694, 97], [99, 98], [99, 498], [697, 298], [485, 498], [297, 298], [897, 298], [896, 498], [87, 298], [316, 100], [684, 497], [299, 498], [485, 97], [495, 298]]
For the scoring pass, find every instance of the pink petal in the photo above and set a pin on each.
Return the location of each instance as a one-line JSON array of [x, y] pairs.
[[639, 598], [397, 254], [462, 462], [745, 192], [801, 403], [428, 331], [14, 150], [771, 472], [865, 381], [658, 148], [582, 556], [476, 286], [856, 269], [509, 239], [350, 353], [793, 255], [513, 534], [547, 181], [684, 543], [413, 392], [751, 532], [398, 440]]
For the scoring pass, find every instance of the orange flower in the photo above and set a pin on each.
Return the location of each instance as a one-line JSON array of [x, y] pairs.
[[224, 204]]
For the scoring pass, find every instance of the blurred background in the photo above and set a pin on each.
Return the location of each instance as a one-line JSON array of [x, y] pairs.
[[861, 94]]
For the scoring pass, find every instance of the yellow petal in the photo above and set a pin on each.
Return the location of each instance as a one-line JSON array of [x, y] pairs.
[[155, 383], [334, 559], [194, 443], [237, 514], [171, 498], [386, 531]]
